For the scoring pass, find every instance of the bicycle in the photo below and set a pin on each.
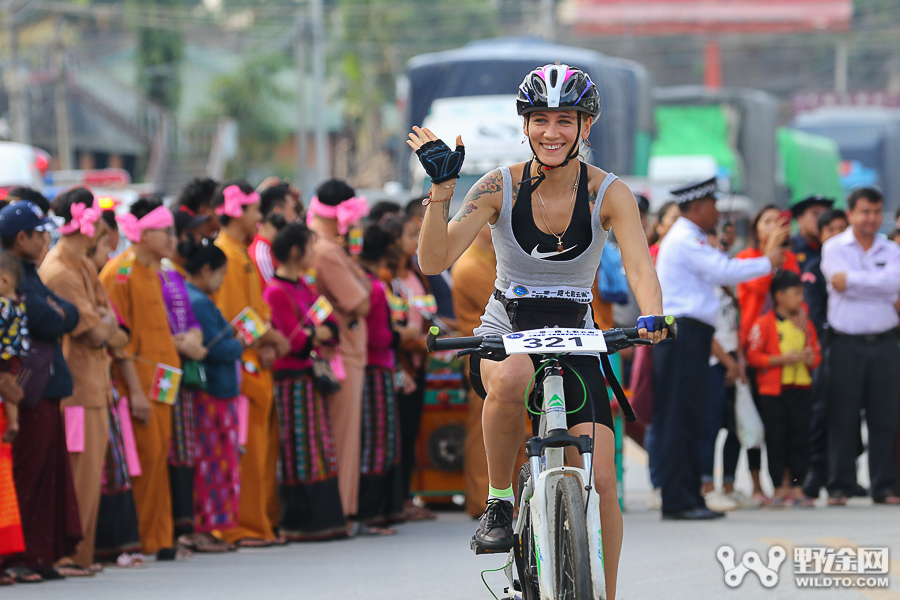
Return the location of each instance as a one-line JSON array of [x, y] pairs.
[[557, 542]]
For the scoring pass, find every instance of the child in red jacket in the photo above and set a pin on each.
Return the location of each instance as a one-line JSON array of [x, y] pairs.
[[783, 347]]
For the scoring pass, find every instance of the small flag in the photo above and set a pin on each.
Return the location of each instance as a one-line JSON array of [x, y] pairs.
[[356, 241], [124, 271], [166, 382], [399, 307], [310, 277], [427, 305], [320, 310], [249, 325]]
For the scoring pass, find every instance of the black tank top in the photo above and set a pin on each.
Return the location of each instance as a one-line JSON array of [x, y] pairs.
[[542, 245]]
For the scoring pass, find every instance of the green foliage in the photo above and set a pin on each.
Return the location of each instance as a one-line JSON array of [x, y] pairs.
[[248, 96], [159, 56]]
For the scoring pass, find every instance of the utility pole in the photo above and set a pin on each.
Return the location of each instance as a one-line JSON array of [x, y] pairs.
[[61, 108], [303, 177], [841, 53], [318, 104], [18, 116]]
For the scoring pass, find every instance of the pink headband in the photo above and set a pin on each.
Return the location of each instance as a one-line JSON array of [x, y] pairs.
[[346, 213], [158, 218], [83, 219], [235, 201]]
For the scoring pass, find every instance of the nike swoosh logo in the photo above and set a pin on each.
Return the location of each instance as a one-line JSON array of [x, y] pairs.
[[536, 254]]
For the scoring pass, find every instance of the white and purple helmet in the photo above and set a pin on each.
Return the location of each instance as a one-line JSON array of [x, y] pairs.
[[558, 87]]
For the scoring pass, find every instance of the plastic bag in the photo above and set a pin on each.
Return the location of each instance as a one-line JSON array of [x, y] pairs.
[[612, 282], [749, 425]]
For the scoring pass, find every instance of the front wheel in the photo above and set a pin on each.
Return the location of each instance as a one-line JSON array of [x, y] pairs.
[[573, 561]]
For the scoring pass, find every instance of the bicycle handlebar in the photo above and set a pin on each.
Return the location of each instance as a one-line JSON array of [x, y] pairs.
[[616, 339]]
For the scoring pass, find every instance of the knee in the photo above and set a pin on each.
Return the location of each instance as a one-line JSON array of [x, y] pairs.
[[508, 386], [606, 485]]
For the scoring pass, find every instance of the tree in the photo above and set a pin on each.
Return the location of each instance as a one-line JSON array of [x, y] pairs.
[[159, 56], [248, 96]]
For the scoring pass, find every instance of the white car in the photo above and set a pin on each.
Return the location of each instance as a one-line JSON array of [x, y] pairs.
[[22, 165]]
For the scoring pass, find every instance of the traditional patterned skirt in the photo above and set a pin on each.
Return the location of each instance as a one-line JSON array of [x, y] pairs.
[[307, 475], [381, 496], [217, 479], [11, 540], [181, 462], [117, 522]]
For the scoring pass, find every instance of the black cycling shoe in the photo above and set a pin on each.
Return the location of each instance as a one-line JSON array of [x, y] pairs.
[[495, 529]]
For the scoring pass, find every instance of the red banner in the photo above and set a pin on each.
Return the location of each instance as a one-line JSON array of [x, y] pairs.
[[677, 17]]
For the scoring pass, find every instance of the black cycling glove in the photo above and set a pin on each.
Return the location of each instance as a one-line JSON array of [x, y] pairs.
[[440, 162]]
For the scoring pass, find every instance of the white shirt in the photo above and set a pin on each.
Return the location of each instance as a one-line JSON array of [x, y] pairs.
[[726, 324], [873, 284], [689, 270]]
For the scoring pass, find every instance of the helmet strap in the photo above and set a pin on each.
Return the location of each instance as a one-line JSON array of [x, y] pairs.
[[573, 153]]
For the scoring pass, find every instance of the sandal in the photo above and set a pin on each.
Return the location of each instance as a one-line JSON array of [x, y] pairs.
[[133, 560], [253, 543], [805, 502], [280, 541], [370, 530], [837, 499], [204, 544], [52, 574], [170, 554], [71, 570], [889, 499], [23, 575]]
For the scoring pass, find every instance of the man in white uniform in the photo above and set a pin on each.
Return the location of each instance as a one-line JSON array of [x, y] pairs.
[[689, 271]]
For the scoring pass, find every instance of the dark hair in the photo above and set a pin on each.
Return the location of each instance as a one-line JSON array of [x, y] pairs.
[[293, 235], [272, 197], [145, 205], [828, 216], [783, 280], [643, 203], [383, 208], [414, 207], [110, 217], [894, 234], [377, 242], [394, 224], [197, 255], [869, 193], [897, 214], [10, 264], [33, 196], [218, 198], [197, 193], [754, 234], [62, 204], [276, 220], [334, 191]]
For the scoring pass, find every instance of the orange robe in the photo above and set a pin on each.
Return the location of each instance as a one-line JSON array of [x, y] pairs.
[[138, 297], [258, 507], [75, 279], [473, 283]]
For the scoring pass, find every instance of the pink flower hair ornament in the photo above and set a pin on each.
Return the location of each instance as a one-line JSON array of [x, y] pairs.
[[235, 201], [83, 220], [347, 212], [133, 228]]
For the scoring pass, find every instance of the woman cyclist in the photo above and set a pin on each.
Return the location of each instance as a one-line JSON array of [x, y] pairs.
[[549, 218]]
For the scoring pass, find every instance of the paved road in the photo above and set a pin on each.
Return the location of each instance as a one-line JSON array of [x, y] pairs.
[[661, 560]]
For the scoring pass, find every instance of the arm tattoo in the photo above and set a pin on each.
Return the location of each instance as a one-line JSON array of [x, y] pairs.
[[489, 184]]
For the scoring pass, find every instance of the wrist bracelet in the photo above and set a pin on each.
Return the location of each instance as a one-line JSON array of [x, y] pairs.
[[428, 199]]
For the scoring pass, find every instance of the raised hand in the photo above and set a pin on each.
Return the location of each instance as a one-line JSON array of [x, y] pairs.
[[441, 163]]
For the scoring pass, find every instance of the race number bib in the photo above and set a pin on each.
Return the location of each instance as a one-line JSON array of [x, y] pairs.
[[554, 341], [517, 291]]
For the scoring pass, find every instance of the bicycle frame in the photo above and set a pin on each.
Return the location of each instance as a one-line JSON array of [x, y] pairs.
[[546, 455]]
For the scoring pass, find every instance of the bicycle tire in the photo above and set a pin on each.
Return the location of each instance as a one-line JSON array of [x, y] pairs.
[[573, 560], [528, 570]]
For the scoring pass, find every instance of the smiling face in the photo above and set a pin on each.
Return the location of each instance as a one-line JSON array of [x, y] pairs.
[[553, 133]]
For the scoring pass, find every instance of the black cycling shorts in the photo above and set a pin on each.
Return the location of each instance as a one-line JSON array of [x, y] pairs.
[[589, 369]]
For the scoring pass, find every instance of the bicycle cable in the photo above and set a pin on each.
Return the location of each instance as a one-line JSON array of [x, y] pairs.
[[484, 581], [529, 389]]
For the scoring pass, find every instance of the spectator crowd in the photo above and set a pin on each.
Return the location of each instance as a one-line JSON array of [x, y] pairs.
[[238, 370]]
